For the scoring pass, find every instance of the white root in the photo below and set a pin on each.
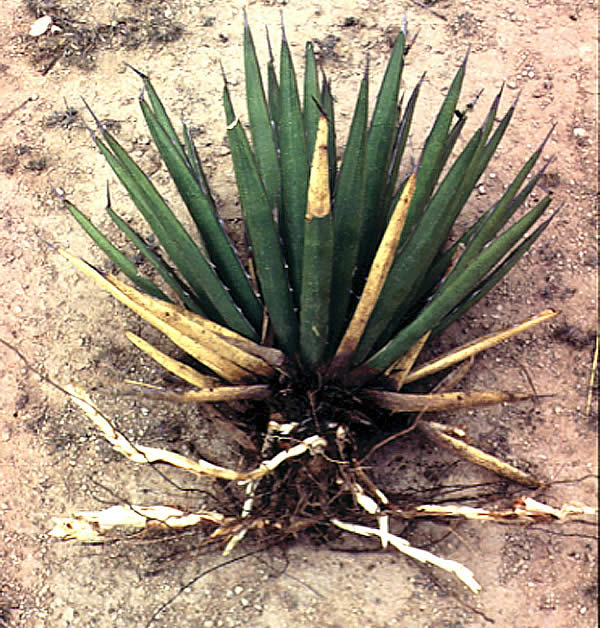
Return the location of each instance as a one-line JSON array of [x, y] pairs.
[[144, 455], [371, 506], [525, 510], [89, 526], [463, 573], [273, 428]]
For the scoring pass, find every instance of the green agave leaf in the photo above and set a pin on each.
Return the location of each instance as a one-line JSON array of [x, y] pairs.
[[397, 154], [159, 110], [450, 143], [499, 215], [264, 239], [315, 300], [216, 241], [328, 108], [213, 297], [488, 148], [312, 96], [169, 276], [348, 214], [434, 151], [273, 91], [381, 136], [440, 266], [499, 273], [454, 290], [115, 255], [261, 126], [472, 175], [294, 167], [413, 261], [315, 297], [195, 164]]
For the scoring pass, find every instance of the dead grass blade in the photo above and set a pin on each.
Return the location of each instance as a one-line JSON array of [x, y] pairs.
[[196, 328], [398, 372], [375, 281], [142, 454], [227, 361], [441, 434], [476, 346], [272, 356], [217, 394], [183, 371], [440, 402], [594, 373]]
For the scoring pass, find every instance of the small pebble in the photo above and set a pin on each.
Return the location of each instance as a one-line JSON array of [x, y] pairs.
[[511, 85], [579, 132], [40, 26]]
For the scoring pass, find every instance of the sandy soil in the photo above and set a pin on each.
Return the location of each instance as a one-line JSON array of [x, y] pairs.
[[52, 462]]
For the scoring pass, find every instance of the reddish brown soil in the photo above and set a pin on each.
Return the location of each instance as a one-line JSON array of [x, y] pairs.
[[531, 577]]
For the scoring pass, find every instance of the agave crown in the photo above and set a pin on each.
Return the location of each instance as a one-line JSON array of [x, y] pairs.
[[349, 262]]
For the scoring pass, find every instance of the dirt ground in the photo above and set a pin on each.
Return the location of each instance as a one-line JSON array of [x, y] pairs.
[[52, 462]]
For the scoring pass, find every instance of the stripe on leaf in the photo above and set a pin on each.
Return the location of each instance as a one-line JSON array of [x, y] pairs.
[[315, 296], [451, 293], [414, 259], [348, 214]]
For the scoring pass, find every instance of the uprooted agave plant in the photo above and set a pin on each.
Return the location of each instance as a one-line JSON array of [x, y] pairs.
[[349, 276]]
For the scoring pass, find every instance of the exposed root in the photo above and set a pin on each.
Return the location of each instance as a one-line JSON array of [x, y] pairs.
[[322, 490], [311, 478], [464, 574]]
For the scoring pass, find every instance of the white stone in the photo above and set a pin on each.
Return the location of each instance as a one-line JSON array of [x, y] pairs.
[[40, 26]]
